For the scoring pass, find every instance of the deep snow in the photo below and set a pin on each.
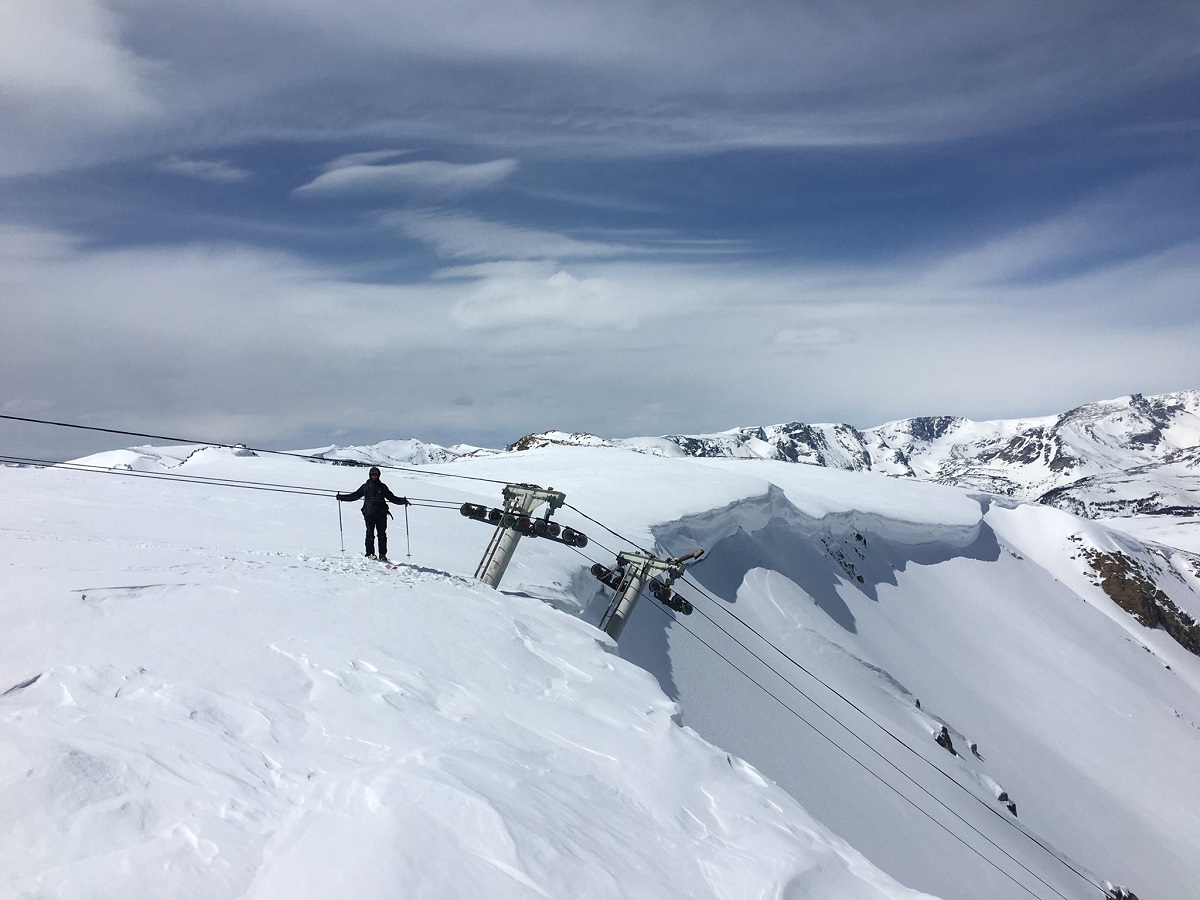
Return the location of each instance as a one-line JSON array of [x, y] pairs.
[[202, 696]]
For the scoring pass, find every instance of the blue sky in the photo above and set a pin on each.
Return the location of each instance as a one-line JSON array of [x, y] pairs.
[[295, 223]]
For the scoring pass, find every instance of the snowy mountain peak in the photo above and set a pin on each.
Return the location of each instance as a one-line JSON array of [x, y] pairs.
[[1129, 456], [561, 438]]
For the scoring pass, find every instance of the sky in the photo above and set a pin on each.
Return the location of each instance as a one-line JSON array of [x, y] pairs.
[[294, 223]]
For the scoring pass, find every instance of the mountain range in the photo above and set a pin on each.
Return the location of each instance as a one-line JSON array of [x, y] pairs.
[[1133, 458], [1134, 455]]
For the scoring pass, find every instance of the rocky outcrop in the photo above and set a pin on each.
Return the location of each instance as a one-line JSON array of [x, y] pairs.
[[1134, 590]]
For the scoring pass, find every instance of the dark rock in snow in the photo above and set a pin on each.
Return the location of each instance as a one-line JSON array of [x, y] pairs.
[[1132, 588], [943, 739]]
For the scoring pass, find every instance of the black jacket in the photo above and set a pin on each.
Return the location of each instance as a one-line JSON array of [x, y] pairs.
[[374, 494]]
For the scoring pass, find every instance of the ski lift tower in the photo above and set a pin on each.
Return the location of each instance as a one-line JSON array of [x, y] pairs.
[[520, 500], [634, 571]]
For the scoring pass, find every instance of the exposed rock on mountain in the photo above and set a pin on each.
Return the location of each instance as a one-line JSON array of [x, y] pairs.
[[1135, 591]]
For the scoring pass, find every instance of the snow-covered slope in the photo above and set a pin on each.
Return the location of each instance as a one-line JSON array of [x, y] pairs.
[[202, 696], [890, 592]]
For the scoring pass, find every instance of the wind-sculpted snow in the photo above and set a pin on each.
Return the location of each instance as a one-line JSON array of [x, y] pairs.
[[195, 704], [926, 627], [201, 696], [772, 534]]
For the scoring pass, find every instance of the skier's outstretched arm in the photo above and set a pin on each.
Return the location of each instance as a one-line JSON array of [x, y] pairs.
[[357, 495]]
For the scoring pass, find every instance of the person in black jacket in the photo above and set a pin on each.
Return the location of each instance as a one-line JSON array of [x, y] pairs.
[[375, 494]]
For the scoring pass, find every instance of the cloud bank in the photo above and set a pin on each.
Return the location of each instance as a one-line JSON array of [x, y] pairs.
[[463, 220]]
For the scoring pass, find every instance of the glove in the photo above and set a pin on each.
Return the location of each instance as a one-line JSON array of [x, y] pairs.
[[404, 501], [342, 497]]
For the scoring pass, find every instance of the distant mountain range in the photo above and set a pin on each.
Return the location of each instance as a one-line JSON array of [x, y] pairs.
[[1134, 455]]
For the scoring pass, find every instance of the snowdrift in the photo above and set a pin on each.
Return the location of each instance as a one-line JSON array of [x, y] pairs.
[[203, 696]]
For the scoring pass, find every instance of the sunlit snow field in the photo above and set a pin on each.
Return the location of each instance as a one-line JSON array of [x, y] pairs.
[[204, 696]]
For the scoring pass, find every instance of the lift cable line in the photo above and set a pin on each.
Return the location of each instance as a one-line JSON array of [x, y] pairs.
[[724, 607], [301, 490], [766, 690], [615, 534], [308, 456], [897, 768], [858, 762], [671, 600]]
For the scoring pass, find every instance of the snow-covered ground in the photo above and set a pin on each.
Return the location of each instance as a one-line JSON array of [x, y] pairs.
[[1181, 532], [203, 696]]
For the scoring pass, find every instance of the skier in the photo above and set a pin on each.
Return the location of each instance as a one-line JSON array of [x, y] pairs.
[[375, 494]]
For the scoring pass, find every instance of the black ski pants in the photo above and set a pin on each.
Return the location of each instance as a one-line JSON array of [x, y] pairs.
[[376, 522]]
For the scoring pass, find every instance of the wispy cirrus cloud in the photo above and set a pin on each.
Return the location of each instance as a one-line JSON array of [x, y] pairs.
[[463, 236], [366, 158], [581, 80], [217, 171], [421, 177]]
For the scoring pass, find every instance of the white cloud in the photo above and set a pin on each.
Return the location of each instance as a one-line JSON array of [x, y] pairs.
[[217, 171], [515, 301], [174, 336], [68, 85], [69, 54], [812, 336], [422, 177], [457, 235], [367, 158]]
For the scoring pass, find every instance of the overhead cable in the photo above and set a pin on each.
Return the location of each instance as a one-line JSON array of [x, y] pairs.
[[724, 607], [853, 758], [295, 455], [200, 479]]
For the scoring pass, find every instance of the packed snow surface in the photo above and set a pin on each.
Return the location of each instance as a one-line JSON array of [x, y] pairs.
[[203, 695]]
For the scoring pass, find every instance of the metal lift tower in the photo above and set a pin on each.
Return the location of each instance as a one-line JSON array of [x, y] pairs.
[[634, 571], [520, 500]]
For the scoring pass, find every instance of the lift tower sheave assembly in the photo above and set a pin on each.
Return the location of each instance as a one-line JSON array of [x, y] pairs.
[[520, 500], [634, 571]]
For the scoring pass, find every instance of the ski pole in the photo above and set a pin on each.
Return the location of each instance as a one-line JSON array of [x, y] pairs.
[[407, 536], [341, 534]]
